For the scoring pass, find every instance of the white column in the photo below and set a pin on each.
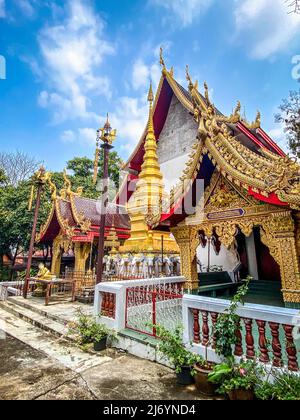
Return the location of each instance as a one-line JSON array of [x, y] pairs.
[[251, 255]]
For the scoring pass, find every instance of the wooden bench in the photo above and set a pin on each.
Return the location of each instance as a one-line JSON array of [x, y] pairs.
[[55, 282]]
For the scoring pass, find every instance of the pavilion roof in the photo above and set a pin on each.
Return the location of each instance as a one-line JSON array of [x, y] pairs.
[[77, 216]]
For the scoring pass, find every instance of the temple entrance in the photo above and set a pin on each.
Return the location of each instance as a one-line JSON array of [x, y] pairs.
[[221, 269]]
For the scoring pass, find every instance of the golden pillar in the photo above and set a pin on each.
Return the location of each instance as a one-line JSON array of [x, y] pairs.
[[188, 240], [81, 252], [283, 230], [297, 223], [56, 258]]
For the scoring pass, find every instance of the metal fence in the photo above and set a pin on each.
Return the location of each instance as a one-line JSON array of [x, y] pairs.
[[147, 306]]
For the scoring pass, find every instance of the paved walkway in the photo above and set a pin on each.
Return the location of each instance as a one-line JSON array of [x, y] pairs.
[[34, 365]]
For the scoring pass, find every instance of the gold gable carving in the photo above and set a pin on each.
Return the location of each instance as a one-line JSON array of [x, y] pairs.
[[225, 197]]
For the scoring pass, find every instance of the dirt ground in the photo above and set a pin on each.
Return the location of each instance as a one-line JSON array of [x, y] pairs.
[[28, 374]]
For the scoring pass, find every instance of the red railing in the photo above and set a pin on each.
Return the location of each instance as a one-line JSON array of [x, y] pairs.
[[147, 306], [270, 342], [108, 305]]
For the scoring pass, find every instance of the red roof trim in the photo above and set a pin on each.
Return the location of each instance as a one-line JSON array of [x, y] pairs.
[[271, 142], [271, 199], [248, 133]]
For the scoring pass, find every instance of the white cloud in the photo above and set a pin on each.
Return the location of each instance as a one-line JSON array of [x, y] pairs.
[[278, 134], [68, 136], [2, 9], [83, 136], [185, 10], [130, 119], [73, 53], [267, 26], [142, 74]]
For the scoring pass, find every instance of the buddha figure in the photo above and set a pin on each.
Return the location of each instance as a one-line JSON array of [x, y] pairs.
[[44, 273]]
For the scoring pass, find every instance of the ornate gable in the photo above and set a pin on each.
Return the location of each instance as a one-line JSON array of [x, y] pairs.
[[221, 196]]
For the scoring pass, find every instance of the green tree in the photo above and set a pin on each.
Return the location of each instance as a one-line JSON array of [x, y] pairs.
[[3, 178], [16, 220], [81, 166], [83, 169], [290, 116]]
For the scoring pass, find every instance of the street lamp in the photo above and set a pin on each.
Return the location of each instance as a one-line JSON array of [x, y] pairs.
[[107, 135]]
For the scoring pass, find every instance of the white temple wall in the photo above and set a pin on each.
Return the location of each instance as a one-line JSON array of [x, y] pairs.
[[227, 259], [175, 142]]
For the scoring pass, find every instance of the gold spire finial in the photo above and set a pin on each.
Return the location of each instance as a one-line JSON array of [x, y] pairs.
[[107, 125], [150, 94], [150, 100]]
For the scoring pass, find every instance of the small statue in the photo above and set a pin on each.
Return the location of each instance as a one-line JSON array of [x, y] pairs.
[[44, 273]]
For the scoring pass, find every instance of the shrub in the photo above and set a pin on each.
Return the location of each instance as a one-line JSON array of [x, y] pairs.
[[286, 386]]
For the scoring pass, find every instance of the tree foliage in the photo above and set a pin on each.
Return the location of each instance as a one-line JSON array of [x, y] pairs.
[[290, 116], [16, 220]]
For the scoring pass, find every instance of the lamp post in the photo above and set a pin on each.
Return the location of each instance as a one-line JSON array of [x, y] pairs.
[[40, 178], [107, 135]]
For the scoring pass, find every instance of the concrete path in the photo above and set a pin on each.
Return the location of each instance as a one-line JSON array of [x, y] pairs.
[[34, 365]]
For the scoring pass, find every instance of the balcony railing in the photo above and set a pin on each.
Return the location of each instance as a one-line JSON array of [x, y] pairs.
[[267, 333]]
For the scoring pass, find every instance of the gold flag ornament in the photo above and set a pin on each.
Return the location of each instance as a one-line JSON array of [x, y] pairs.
[[31, 198]]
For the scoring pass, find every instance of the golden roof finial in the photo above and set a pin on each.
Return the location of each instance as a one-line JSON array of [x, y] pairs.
[[206, 92], [189, 79], [67, 184], [238, 108], [107, 125], [161, 58], [172, 71], [258, 118]]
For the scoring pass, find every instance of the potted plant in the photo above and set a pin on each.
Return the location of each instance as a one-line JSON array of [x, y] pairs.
[[285, 386], [224, 332], [237, 381], [172, 346], [226, 325], [100, 335], [202, 369], [87, 331]]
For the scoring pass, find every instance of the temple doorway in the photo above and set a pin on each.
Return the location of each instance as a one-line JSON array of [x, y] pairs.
[[218, 266]]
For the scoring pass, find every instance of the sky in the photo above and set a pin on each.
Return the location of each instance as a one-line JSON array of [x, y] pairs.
[[70, 62]]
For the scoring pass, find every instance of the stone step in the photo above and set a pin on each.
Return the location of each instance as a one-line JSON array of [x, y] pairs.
[[43, 322], [61, 350], [38, 308]]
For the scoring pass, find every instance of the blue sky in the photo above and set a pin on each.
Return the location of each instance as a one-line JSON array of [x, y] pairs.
[[69, 62]]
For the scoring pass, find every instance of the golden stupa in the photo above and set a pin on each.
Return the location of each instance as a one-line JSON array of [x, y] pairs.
[[147, 201]]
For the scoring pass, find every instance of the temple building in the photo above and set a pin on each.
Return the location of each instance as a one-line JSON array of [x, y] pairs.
[[214, 188], [73, 225]]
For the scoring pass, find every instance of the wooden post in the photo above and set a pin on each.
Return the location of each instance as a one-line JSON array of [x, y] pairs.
[[33, 234], [106, 147]]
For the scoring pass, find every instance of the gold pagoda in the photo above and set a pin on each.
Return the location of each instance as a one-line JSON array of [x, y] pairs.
[[147, 201]]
